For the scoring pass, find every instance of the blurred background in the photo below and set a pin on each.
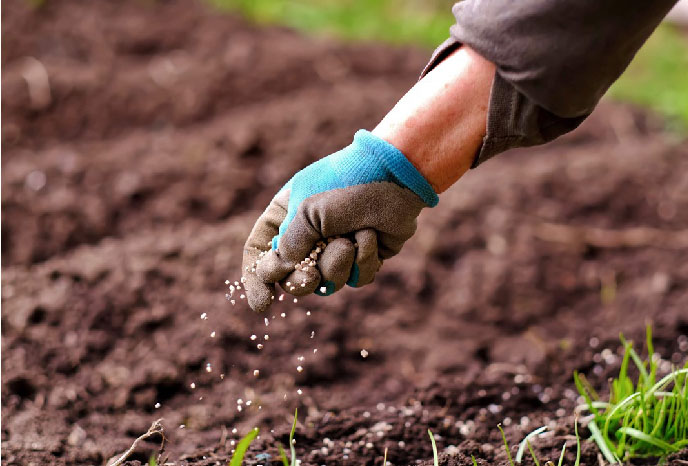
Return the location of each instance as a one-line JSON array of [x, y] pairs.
[[657, 78], [140, 141]]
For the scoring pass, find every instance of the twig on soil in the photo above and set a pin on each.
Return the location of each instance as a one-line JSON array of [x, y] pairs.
[[155, 428], [223, 438], [603, 238]]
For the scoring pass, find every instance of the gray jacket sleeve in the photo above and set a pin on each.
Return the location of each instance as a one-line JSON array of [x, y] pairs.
[[555, 59]]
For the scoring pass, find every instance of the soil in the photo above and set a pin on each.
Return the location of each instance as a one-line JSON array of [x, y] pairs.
[[130, 181]]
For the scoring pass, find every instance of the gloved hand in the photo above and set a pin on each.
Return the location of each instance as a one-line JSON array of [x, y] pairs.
[[335, 222]]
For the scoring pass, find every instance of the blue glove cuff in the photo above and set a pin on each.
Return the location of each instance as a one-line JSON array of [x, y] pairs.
[[397, 164]]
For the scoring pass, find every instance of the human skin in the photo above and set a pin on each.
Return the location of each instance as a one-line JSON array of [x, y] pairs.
[[439, 124]]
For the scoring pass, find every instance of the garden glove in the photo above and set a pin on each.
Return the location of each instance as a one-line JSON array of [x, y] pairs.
[[335, 222]]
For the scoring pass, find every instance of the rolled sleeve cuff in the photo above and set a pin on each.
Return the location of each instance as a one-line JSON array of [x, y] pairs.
[[513, 120]]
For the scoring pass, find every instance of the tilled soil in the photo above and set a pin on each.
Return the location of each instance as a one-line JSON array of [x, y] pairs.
[[140, 142]]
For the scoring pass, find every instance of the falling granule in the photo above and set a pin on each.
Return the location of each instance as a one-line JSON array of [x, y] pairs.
[[315, 350], [253, 337], [256, 373], [222, 376], [283, 315], [285, 396], [234, 431], [296, 300], [308, 313], [181, 426], [212, 334], [323, 289], [193, 385], [239, 408], [249, 402], [243, 296], [266, 337], [299, 391], [226, 282], [204, 316], [267, 322], [157, 405], [281, 298], [240, 401], [300, 358], [299, 368], [259, 346], [208, 368], [232, 301], [312, 333], [364, 353]]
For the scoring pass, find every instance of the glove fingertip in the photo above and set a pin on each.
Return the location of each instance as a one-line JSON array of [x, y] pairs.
[[259, 295], [329, 288], [353, 278]]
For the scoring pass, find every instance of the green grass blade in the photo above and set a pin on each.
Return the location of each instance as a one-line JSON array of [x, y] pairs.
[[650, 354], [283, 455], [475, 463], [639, 364], [532, 453], [522, 446], [580, 385], [434, 449], [601, 443], [242, 446], [665, 380], [561, 456], [506, 445], [152, 461], [578, 444], [292, 449], [661, 444]]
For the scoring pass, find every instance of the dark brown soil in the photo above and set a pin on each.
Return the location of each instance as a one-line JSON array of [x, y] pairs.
[[127, 195]]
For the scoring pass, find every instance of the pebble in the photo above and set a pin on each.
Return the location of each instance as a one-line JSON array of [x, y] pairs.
[[364, 353]]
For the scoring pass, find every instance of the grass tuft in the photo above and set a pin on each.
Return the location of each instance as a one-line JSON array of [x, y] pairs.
[[645, 418]]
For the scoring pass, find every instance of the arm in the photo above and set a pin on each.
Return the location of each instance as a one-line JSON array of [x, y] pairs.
[[441, 122], [365, 198], [511, 75]]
